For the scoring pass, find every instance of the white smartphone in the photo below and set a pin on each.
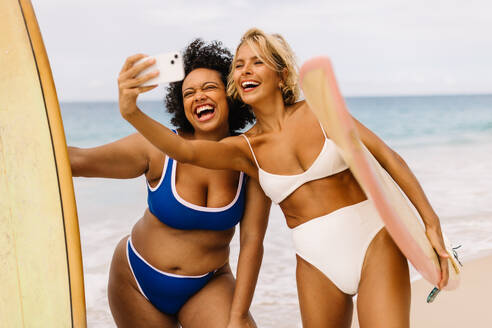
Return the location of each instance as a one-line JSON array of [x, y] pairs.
[[169, 65]]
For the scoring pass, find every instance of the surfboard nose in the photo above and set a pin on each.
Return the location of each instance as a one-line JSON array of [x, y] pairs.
[[316, 63]]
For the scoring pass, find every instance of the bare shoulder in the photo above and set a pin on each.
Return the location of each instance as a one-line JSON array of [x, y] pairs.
[[300, 109], [298, 106], [241, 144], [251, 137], [252, 132]]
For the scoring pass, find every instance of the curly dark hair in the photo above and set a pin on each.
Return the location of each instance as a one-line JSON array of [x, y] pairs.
[[212, 55]]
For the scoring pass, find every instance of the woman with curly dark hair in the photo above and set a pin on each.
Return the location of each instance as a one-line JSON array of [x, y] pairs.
[[173, 269], [199, 55]]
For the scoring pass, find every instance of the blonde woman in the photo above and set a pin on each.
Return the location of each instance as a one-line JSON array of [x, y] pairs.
[[342, 246]]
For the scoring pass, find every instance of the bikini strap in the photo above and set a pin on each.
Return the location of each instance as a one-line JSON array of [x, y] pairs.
[[323, 130], [251, 148]]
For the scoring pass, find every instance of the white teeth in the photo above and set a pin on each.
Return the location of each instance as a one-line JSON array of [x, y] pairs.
[[203, 108], [246, 84]]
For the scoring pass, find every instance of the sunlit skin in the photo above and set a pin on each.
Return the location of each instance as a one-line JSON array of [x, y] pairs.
[[182, 252], [286, 140]]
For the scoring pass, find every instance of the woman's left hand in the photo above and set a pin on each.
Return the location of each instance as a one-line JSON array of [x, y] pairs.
[[435, 237]]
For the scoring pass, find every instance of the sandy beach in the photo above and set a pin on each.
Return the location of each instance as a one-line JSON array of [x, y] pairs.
[[467, 306]]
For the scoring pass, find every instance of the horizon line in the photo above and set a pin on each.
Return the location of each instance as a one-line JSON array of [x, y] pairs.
[[347, 96]]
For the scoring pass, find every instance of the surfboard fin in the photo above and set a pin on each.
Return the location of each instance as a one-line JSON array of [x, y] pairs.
[[433, 294], [455, 254]]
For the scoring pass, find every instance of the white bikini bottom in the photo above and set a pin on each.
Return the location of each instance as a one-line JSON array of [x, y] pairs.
[[336, 243]]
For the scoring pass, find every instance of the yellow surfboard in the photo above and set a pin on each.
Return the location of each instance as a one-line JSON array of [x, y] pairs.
[[41, 277]]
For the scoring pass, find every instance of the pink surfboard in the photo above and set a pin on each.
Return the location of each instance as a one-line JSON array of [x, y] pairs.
[[401, 219]]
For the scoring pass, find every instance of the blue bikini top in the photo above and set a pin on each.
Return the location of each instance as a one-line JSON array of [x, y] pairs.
[[172, 210]]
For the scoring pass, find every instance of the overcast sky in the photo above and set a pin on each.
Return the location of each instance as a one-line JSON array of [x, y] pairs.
[[379, 47]]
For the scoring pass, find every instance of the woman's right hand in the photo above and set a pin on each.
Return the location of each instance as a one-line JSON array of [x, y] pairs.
[[129, 84]]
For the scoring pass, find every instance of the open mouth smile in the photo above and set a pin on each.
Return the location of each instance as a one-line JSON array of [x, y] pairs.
[[249, 85], [204, 112]]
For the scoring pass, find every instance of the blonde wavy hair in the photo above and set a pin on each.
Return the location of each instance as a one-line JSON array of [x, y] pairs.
[[277, 55]]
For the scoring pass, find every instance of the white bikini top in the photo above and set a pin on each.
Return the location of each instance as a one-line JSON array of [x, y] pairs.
[[278, 187]]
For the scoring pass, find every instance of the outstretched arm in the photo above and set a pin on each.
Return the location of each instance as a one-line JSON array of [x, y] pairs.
[[123, 159], [224, 154], [253, 228], [404, 177]]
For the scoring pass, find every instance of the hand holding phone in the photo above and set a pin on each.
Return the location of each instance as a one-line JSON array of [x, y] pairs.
[[169, 65]]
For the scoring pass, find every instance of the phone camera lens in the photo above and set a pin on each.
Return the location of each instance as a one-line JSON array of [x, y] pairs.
[[176, 56], [172, 62]]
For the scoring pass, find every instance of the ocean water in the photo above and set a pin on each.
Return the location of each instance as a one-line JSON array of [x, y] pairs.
[[446, 141]]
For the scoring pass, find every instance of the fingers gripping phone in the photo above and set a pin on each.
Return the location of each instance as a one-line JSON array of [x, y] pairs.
[[169, 65]]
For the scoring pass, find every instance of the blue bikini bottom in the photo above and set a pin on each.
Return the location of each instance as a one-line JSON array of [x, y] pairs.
[[166, 291]]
